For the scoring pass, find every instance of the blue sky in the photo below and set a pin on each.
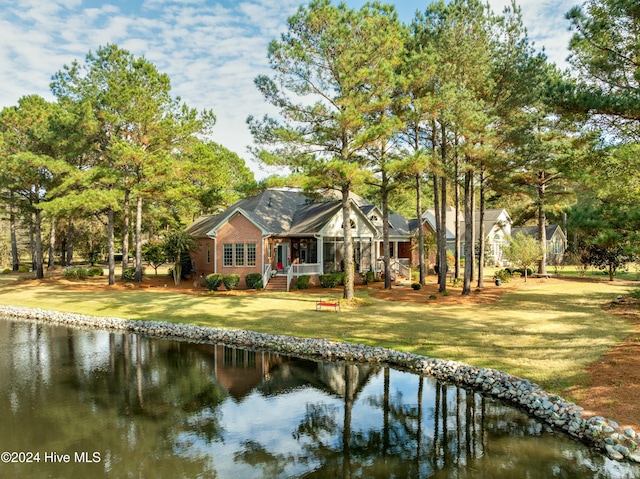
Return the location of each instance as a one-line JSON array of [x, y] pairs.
[[211, 49]]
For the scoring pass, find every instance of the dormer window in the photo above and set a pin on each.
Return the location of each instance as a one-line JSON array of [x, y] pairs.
[[373, 218]]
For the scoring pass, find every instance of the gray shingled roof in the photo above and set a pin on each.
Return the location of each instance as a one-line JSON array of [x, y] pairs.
[[201, 226], [311, 218], [399, 224], [272, 210], [288, 212], [533, 231]]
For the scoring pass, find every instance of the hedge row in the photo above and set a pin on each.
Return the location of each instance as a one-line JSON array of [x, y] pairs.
[[231, 281]]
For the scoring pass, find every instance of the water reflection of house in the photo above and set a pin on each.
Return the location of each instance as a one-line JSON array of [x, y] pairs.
[[241, 372]]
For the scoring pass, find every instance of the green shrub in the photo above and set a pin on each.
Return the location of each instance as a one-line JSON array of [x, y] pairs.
[[231, 281], [6, 271], [416, 286], [24, 269], [635, 293], [503, 275], [253, 280], [302, 282], [368, 277], [75, 273], [521, 271], [129, 274], [330, 280], [213, 281], [95, 271]]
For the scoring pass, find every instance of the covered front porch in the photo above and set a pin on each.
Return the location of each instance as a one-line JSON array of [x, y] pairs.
[[316, 255]]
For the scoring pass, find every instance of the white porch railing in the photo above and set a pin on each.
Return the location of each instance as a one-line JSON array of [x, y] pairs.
[[289, 277], [401, 268], [397, 267], [266, 276], [306, 268]]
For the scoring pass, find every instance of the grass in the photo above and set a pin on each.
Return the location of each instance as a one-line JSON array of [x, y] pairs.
[[541, 331]]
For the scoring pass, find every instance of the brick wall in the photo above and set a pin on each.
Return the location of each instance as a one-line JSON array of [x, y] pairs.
[[199, 256], [239, 230]]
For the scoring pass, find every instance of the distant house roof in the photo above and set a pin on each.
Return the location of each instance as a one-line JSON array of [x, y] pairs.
[[550, 231], [429, 217], [492, 218]]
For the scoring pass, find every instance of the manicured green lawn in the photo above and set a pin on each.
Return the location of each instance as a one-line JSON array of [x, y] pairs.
[[548, 332]]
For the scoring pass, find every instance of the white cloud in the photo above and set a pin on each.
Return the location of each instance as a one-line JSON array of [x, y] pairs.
[[211, 49], [545, 24]]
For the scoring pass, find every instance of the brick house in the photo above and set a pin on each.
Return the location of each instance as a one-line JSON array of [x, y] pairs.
[[284, 232]]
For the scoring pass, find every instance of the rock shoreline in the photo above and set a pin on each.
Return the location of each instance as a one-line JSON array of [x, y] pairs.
[[551, 409]]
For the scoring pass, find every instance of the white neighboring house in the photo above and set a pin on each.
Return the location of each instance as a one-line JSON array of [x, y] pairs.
[[556, 241], [497, 228]]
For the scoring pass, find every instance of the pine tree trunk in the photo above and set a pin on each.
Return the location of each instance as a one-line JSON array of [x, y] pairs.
[[39, 268], [15, 257], [385, 231], [420, 229], [437, 220], [481, 232], [52, 245], [468, 232], [69, 244], [32, 242], [111, 246], [125, 232], [348, 245], [542, 222], [442, 273], [138, 274], [457, 212]]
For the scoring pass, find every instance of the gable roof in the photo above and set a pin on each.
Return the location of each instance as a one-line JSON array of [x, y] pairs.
[[292, 213], [429, 217], [492, 218], [311, 218], [271, 211], [550, 231]]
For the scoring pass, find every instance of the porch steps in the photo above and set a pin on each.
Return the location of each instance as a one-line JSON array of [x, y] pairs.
[[277, 283]]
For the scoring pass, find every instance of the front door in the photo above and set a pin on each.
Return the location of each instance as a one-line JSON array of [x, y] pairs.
[[282, 255]]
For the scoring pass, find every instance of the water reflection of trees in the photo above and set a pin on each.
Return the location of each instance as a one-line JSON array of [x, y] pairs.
[[155, 409]]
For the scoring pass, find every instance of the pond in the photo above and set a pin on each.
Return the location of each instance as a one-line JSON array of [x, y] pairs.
[[87, 403]]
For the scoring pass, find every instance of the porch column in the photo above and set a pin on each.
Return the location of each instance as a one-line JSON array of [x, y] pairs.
[[320, 252], [372, 254]]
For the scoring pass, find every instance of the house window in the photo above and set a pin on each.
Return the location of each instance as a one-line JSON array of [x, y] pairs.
[[251, 254], [239, 254], [227, 255], [208, 254]]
